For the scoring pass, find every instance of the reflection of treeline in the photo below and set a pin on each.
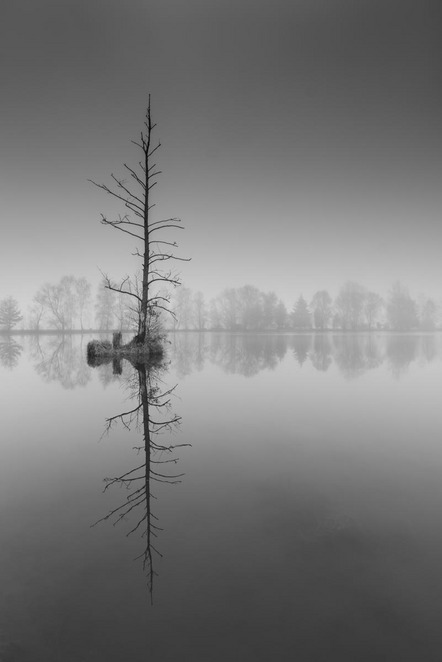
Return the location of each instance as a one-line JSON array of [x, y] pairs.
[[238, 354], [55, 358], [354, 309], [352, 354], [60, 359]]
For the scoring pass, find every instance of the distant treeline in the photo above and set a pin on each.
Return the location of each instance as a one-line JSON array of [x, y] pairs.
[[354, 309], [70, 305]]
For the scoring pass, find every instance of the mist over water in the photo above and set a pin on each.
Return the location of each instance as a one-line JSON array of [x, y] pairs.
[[303, 524]]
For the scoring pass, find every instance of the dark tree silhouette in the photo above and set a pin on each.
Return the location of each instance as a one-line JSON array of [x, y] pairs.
[[151, 415], [156, 251]]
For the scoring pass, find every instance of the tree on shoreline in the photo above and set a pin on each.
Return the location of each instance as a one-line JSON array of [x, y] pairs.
[[156, 252], [61, 304], [321, 306], [10, 314], [349, 305], [83, 295], [373, 304], [301, 316], [401, 309]]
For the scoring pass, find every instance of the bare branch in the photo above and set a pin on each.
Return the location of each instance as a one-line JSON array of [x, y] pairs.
[[115, 288], [117, 226], [114, 194], [120, 184], [134, 174], [162, 227], [165, 220], [152, 151]]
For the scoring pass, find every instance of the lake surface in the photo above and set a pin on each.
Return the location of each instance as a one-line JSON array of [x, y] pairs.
[[299, 516]]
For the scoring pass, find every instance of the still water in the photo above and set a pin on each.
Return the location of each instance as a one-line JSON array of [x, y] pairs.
[[289, 508]]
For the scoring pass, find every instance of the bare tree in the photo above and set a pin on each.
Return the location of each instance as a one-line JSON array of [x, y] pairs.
[[250, 312], [349, 305], [401, 309], [229, 308], [183, 308], [36, 312], [200, 311], [156, 252], [61, 305], [215, 314], [373, 304], [105, 308], [69, 300], [321, 307], [83, 293], [51, 298]]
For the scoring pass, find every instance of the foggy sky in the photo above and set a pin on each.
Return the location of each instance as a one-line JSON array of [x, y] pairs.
[[301, 139]]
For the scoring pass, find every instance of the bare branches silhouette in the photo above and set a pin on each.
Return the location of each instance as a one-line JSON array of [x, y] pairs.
[[156, 249], [152, 416]]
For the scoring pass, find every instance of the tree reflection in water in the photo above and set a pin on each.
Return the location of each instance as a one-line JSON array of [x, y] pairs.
[[352, 353], [151, 416], [301, 347], [244, 354], [401, 350], [10, 352], [60, 358]]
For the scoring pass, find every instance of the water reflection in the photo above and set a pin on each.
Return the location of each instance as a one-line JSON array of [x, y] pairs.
[[332, 526], [236, 354], [352, 354], [429, 348], [401, 351], [301, 348], [10, 352], [151, 416], [60, 359], [322, 353], [355, 355]]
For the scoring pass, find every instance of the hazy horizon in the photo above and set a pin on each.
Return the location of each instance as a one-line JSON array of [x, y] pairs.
[[301, 141]]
